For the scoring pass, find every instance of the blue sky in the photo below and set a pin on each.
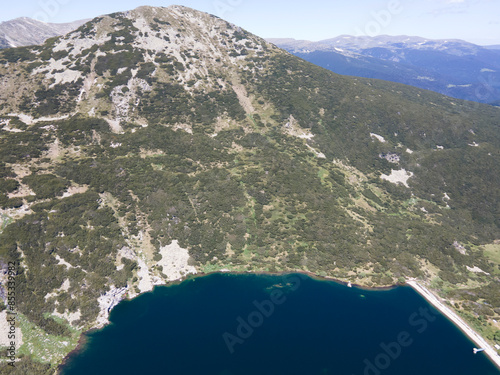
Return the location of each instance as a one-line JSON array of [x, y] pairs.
[[477, 21]]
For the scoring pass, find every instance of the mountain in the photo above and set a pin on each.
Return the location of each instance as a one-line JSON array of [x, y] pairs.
[[26, 31], [452, 67], [149, 145]]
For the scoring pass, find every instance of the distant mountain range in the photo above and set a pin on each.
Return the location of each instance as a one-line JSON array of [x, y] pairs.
[[452, 67], [25, 31]]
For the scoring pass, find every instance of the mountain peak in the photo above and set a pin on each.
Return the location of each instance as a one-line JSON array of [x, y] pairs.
[[155, 11], [24, 31], [118, 56]]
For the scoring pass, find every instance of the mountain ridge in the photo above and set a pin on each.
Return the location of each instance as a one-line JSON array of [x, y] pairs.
[[451, 67], [364, 42]]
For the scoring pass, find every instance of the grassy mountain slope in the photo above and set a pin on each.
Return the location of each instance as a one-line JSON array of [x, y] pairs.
[[160, 129]]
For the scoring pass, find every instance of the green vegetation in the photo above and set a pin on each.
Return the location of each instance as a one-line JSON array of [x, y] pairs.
[[13, 55], [27, 365], [8, 185], [42, 346], [170, 104], [114, 61], [50, 101], [45, 185], [78, 130], [492, 251]]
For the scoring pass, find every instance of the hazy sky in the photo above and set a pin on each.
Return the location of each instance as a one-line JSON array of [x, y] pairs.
[[477, 21]]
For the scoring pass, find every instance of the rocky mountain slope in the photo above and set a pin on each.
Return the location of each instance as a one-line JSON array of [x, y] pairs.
[[452, 67], [161, 142], [26, 31]]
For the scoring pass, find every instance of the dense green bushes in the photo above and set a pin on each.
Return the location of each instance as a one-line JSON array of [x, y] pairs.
[[113, 61], [22, 146], [46, 185], [26, 366], [19, 54], [8, 185], [49, 101], [145, 72], [76, 222], [170, 103]]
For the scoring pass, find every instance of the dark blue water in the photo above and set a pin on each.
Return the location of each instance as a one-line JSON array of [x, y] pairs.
[[282, 325]]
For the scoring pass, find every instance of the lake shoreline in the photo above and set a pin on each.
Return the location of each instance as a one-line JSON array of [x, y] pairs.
[[310, 274], [82, 341], [83, 337], [425, 293], [453, 317]]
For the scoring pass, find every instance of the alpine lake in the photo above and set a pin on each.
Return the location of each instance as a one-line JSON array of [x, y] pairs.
[[247, 324]]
